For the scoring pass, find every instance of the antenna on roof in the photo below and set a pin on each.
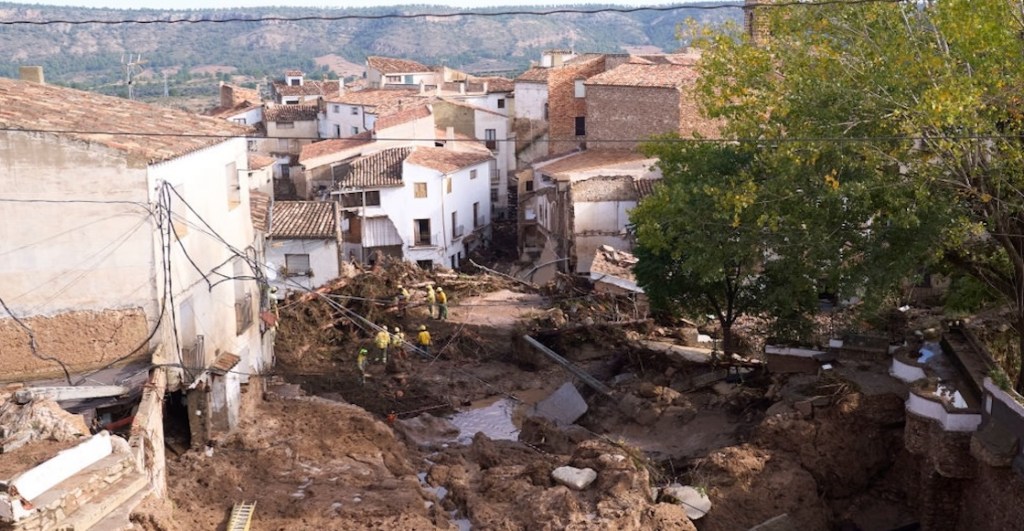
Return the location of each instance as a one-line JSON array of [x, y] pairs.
[[132, 67]]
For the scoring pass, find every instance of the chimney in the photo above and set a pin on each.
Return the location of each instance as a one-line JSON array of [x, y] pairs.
[[462, 87], [31, 73], [227, 96], [485, 87]]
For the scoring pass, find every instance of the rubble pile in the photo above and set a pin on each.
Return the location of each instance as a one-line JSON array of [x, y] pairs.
[[25, 419]]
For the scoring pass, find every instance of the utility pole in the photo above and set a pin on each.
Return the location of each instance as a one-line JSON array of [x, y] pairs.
[[167, 93], [132, 67]]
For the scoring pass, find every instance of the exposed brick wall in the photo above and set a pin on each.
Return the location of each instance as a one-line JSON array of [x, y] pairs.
[[82, 340], [564, 106], [615, 113]]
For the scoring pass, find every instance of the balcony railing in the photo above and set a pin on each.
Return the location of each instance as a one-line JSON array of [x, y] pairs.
[[423, 240], [243, 314]]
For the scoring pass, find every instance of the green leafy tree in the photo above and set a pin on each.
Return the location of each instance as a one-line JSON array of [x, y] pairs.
[[701, 246], [916, 121]]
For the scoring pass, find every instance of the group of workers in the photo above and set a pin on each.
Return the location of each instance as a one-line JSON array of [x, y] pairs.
[[393, 342]]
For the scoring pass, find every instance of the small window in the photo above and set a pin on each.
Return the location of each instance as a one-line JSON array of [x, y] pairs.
[[472, 174], [581, 126], [476, 215], [419, 190], [393, 79], [490, 139], [501, 103], [296, 265], [529, 186], [337, 131], [251, 145], [448, 184], [240, 121], [373, 198], [286, 125], [494, 195], [355, 130], [336, 109], [579, 89], [295, 82], [354, 111]]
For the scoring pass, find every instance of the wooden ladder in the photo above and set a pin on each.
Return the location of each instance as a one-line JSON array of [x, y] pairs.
[[241, 516]]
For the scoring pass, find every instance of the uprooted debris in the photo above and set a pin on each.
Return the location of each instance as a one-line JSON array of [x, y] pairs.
[[23, 421]]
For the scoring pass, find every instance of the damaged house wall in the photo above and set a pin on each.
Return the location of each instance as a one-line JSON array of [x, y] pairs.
[[601, 208], [78, 263]]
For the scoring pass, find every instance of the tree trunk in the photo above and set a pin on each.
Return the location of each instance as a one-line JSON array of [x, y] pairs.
[[727, 339], [1019, 382]]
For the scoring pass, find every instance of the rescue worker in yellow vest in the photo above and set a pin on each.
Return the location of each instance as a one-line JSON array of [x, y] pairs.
[[382, 341], [431, 300], [361, 365], [423, 340], [442, 304], [402, 299], [398, 343]]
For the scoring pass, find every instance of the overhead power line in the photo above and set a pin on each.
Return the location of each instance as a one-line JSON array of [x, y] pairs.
[[454, 14], [702, 140]]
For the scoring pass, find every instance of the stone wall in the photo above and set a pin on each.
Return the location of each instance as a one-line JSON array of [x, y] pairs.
[[635, 113], [83, 340], [564, 106]]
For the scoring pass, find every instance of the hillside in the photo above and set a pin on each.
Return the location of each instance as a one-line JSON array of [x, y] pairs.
[[90, 56]]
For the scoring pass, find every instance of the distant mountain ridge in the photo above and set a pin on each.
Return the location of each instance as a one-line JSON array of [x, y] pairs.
[[91, 56]]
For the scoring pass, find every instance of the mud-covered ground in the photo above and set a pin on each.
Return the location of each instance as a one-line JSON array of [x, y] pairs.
[[824, 451]]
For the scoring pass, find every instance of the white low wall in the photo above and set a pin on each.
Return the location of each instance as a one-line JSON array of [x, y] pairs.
[[998, 394], [905, 371], [45, 476], [788, 351], [932, 409]]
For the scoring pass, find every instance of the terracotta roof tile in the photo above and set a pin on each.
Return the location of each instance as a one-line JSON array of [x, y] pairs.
[[535, 74], [592, 159], [334, 145], [645, 187], [379, 170], [257, 162], [374, 97], [496, 83], [447, 160], [391, 65], [33, 106], [402, 116], [646, 75], [303, 220], [308, 88], [291, 113], [259, 207]]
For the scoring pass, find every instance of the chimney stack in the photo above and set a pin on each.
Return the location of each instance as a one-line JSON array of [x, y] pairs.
[[31, 73]]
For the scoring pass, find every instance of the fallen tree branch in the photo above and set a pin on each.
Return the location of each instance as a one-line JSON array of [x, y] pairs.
[[500, 274]]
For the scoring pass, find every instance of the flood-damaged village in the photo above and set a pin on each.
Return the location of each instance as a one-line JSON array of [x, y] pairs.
[[770, 281]]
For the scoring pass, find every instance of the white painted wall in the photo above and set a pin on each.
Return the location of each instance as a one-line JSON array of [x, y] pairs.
[[932, 409], [905, 371], [505, 157], [250, 116], [438, 207], [221, 199], [530, 100], [490, 101], [419, 132], [323, 260], [305, 130], [340, 115]]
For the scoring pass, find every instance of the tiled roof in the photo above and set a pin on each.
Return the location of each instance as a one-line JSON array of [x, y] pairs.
[[645, 187], [391, 65], [224, 112], [591, 159], [259, 207], [334, 145], [291, 113], [535, 74], [308, 88], [257, 162], [495, 83], [646, 75], [303, 220], [447, 160], [379, 170], [374, 97], [402, 116], [465, 105], [33, 106], [604, 188]]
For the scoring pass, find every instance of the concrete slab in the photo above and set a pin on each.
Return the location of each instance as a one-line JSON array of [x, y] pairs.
[[564, 406]]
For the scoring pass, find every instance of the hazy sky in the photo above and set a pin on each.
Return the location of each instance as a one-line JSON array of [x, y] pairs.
[[206, 4]]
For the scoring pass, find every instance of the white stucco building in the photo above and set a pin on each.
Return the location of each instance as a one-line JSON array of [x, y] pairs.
[[303, 244], [383, 72], [427, 205], [356, 112], [128, 246]]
